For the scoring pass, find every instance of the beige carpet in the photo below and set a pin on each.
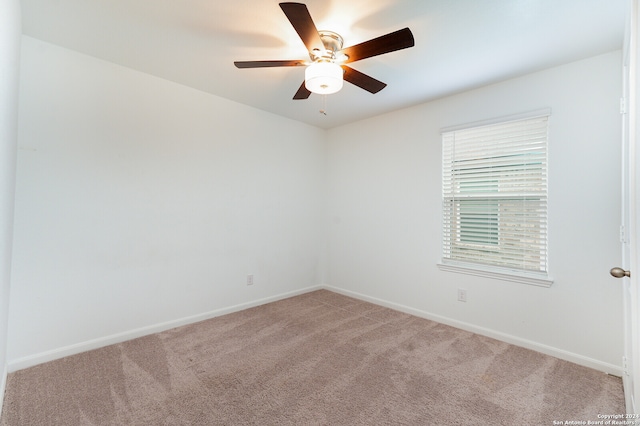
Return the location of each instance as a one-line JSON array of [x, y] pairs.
[[316, 359]]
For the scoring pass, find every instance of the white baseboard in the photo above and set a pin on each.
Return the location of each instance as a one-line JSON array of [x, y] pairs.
[[615, 370], [31, 360]]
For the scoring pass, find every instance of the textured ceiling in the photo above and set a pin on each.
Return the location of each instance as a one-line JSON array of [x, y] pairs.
[[459, 44]]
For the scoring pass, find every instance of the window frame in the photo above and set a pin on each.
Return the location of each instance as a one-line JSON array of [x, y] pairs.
[[448, 264]]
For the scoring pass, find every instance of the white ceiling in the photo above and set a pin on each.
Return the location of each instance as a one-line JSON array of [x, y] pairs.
[[459, 44]]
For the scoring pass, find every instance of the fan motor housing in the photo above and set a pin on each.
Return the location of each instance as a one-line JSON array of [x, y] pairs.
[[332, 44]]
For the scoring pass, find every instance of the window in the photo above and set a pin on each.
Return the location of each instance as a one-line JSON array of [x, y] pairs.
[[494, 198]]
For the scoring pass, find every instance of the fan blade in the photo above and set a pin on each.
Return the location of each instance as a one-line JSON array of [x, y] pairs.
[[391, 42], [362, 80], [264, 64], [299, 16], [302, 93]]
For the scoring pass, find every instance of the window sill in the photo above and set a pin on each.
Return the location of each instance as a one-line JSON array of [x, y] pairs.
[[488, 272]]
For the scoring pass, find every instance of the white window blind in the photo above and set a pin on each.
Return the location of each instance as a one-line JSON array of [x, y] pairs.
[[495, 195]]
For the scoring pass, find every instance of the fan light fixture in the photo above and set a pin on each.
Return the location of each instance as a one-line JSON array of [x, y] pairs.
[[323, 78], [329, 62]]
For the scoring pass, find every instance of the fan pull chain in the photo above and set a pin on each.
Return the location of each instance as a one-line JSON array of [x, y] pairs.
[[324, 105]]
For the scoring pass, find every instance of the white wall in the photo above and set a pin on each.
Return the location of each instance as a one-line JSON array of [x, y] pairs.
[[385, 214], [9, 75], [142, 204]]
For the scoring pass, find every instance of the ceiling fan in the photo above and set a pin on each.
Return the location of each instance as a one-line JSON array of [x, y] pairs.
[[326, 70]]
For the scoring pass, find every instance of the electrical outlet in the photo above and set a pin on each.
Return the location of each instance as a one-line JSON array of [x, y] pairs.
[[462, 295], [250, 279]]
